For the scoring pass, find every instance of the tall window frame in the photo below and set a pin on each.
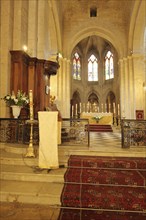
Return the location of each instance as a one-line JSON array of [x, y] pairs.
[[109, 65], [76, 62], [92, 68]]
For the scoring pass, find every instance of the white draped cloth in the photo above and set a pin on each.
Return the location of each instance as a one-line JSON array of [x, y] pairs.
[[48, 139]]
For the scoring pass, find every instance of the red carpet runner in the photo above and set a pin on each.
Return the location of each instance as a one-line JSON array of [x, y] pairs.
[[104, 188]]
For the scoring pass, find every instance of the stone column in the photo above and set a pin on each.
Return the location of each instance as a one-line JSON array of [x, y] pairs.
[[139, 78], [131, 88], [122, 88], [6, 43], [126, 82], [20, 25], [32, 28], [63, 87], [42, 29]]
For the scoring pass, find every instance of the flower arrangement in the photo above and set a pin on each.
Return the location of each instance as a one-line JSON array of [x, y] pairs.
[[97, 118], [20, 99]]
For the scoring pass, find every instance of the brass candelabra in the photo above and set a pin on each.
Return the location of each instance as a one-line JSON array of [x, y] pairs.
[[30, 149]]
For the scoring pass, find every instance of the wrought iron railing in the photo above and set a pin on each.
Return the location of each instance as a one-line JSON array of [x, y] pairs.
[[74, 131], [133, 133]]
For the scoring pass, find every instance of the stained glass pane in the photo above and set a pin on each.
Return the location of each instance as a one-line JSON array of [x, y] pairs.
[[92, 68], [109, 66], [76, 67]]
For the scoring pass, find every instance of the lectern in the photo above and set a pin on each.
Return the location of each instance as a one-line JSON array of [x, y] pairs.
[[48, 139]]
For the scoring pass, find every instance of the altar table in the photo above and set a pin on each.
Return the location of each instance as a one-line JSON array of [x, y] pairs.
[[106, 118]]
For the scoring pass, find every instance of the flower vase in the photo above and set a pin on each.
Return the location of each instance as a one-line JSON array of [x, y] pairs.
[[16, 111]]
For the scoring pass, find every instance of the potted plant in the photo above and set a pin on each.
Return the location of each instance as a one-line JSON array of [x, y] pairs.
[[17, 102]]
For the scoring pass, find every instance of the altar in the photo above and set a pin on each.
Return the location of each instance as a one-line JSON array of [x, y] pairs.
[[106, 118]]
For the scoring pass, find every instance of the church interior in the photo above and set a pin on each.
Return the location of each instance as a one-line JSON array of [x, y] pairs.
[[76, 69]]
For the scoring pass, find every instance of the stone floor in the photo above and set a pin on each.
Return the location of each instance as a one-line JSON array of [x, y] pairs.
[[31, 194], [21, 211]]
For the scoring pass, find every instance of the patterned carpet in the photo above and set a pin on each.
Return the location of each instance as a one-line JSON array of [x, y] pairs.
[[98, 188]]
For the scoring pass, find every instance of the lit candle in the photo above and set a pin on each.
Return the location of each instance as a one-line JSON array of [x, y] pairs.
[[105, 107], [80, 108], [109, 107], [72, 111], [84, 107], [118, 110], [114, 108], [101, 107], [31, 104], [88, 107], [98, 109], [76, 109]]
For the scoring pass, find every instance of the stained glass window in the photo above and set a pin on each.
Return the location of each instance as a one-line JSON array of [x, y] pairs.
[[109, 66], [76, 67], [92, 68]]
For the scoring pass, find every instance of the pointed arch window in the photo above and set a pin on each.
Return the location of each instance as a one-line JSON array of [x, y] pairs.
[[92, 68], [109, 66], [76, 67]]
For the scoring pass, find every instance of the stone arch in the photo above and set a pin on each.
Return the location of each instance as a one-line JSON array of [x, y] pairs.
[[55, 30], [110, 99], [133, 21], [119, 45], [75, 101], [137, 46], [93, 98]]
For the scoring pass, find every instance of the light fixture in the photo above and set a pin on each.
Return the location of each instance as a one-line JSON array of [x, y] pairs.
[[55, 56], [59, 55], [144, 85], [24, 48]]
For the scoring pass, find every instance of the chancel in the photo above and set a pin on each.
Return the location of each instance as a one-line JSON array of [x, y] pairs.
[[76, 71]]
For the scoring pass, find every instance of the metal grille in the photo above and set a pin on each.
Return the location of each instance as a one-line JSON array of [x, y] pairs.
[[73, 131], [133, 133]]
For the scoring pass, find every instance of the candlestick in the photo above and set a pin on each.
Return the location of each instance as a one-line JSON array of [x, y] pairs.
[[118, 110], [114, 108], [84, 107], [72, 111], [31, 104], [109, 107], [88, 107], [98, 109], [105, 107], [101, 107], [76, 109], [80, 108]]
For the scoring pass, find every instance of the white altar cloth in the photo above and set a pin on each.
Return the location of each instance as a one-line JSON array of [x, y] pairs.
[[48, 143]]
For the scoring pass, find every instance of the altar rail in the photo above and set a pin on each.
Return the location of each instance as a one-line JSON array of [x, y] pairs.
[[133, 133], [18, 131]]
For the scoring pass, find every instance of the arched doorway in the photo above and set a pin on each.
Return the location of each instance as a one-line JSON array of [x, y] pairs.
[[111, 102], [75, 104]]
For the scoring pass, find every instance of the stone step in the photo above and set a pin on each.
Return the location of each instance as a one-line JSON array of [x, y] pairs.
[[31, 174], [14, 154], [31, 192], [23, 181], [10, 158], [17, 159]]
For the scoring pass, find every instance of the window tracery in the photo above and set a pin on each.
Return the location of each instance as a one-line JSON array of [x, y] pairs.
[[109, 66], [76, 67], [92, 68]]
